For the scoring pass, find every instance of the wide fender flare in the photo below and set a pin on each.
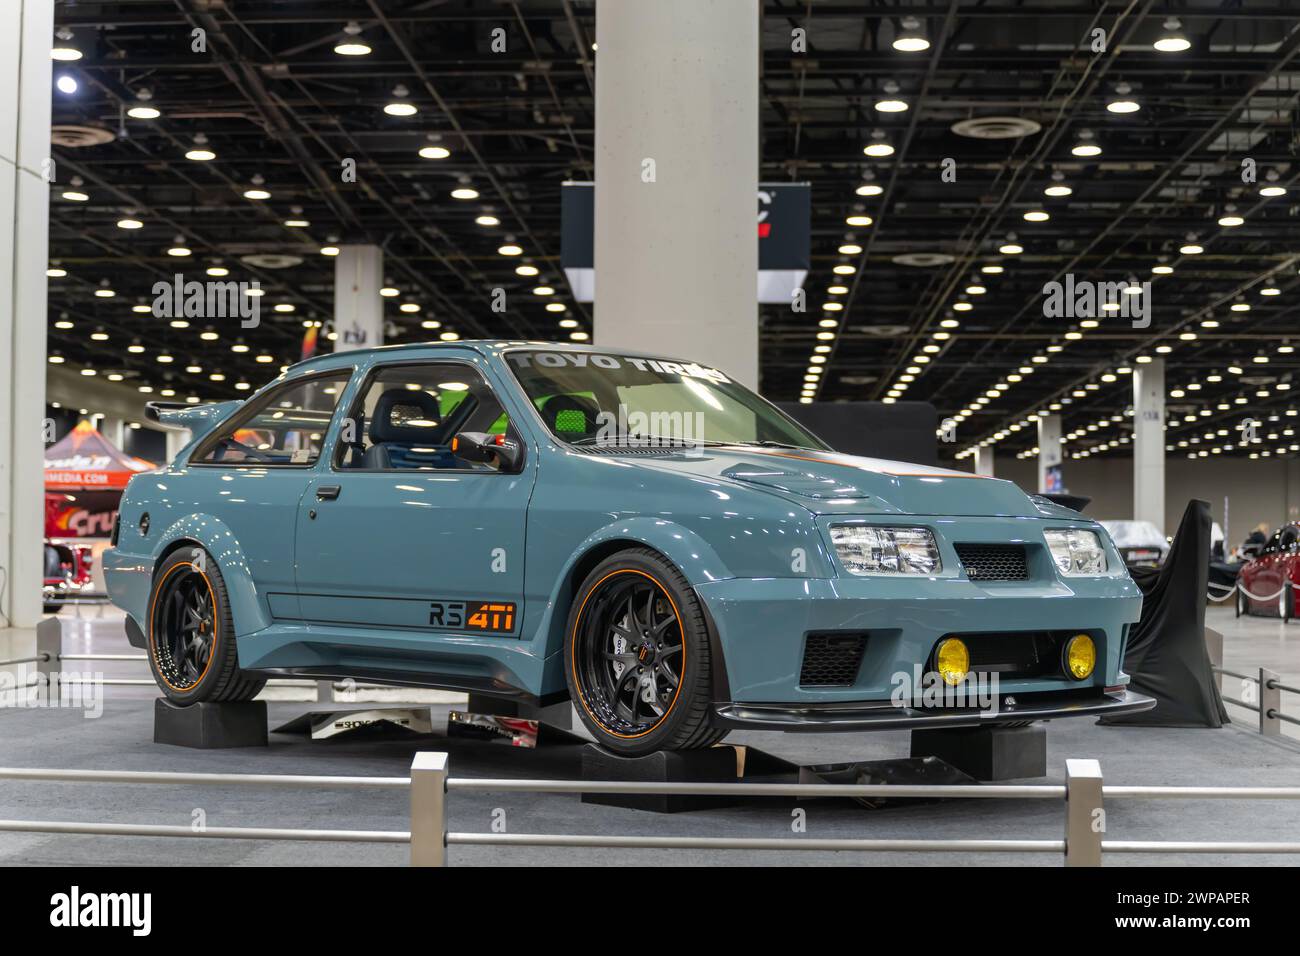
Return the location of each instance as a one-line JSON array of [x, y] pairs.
[[692, 555], [215, 537]]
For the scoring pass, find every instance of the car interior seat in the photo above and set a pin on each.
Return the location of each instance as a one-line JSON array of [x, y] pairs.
[[571, 417], [396, 441]]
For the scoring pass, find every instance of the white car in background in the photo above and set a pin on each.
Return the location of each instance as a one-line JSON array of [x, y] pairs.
[[1141, 543]]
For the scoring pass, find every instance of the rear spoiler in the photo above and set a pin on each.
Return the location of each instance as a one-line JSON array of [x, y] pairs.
[[199, 419]]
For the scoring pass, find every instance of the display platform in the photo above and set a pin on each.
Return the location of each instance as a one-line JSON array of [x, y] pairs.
[[938, 756], [987, 753], [210, 726]]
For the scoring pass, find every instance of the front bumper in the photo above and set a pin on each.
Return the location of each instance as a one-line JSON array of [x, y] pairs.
[[762, 626], [828, 718]]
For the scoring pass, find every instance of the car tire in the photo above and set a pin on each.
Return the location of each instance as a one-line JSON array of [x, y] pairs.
[[53, 608], [635, 625], [191, 634]]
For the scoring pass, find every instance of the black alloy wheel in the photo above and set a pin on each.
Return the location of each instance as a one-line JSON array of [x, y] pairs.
[[185, 627], [638, 659], [191, 633], [630, 653]]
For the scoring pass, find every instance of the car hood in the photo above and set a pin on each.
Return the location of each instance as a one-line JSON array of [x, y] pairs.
[[832, 483]]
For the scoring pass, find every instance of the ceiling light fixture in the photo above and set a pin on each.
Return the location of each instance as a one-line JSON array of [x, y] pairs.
[[1057, 188], [1272, 189], [256, 191], [869, 186], [890, 103], [200, 153], [1173, 40], [63, 50], [399, 105], [1230, 218], [142, 110], [878, 147], [351, 43], [1122, 102], [1086, 145], [910, 38]]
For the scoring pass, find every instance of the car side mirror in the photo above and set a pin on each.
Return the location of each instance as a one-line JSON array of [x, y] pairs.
[[485, 448]]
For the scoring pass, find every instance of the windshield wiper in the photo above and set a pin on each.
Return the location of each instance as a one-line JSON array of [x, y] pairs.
[[767, 443], [638, 441]]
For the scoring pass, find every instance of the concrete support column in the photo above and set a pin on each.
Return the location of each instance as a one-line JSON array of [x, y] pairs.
[[676, 236], [1049, 447], [984, 461], [1149, 443], [358, 307], [26, 33], [114, 429], [177, 438]]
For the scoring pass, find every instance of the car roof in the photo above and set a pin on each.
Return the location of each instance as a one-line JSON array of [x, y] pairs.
[[486, 347]]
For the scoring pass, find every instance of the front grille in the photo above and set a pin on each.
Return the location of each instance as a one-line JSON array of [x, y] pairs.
[[994, 562], [831, 660]]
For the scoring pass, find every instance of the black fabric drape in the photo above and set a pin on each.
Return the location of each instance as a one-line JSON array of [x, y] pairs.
[[1166, 654]]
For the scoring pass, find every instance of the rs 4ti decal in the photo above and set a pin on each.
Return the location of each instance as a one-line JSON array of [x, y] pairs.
[[490, 617]]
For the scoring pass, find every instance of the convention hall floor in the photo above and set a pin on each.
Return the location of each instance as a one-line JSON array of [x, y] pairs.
[[121, 739]]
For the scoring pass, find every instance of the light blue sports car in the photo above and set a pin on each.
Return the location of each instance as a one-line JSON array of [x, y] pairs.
[[640, 535]]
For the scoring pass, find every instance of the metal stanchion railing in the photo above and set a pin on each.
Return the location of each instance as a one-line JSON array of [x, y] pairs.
[[1269, 690], [174, 778], [488, 784], [429, 809], [204, 779], [1228, 591], [1084, 816], [429, 783]]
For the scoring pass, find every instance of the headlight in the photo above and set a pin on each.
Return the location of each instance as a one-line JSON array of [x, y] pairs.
[[867, 550], [1076, 552]]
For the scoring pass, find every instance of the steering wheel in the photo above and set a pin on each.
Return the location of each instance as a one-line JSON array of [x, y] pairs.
[[248, 451]]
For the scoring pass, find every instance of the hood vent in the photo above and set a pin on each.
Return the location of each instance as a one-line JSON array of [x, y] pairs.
[[801, 483]]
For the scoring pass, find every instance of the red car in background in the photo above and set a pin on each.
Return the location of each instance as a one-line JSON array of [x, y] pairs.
[[67, 573], [1267, 583]]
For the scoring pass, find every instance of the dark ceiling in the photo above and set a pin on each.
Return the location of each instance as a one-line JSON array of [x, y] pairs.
[[277, 104]]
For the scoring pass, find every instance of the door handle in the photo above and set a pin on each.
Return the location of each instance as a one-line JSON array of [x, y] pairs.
[[327, 492]]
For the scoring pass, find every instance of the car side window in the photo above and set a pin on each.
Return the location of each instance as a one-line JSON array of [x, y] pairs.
[[406, 416], [286, 426]]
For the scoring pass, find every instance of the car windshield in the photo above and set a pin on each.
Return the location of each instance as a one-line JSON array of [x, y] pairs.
[[589, 398]]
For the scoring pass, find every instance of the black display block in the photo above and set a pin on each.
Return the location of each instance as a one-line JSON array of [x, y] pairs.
[[710, 765], [210, 726], [987, 753]]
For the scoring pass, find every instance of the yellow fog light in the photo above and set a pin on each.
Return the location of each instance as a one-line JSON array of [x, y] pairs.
[[1080, 656], [952, 660]]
